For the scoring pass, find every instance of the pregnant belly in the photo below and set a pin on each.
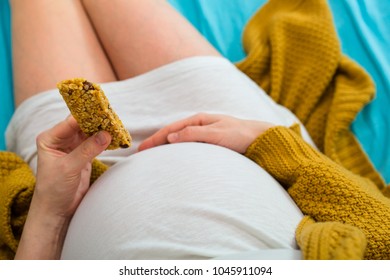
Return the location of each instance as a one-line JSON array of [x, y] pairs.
[[187, 200]]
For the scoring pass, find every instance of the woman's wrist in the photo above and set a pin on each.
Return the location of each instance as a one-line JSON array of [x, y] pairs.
[[43, 234]]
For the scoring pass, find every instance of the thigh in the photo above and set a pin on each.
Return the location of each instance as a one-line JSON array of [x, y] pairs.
[[139, 36], [53, 40]]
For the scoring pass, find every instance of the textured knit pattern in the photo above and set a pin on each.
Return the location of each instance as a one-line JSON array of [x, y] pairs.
[[17, 183], [294, 55], [98, 168], [330, 240], [326, 192], [16, 187]]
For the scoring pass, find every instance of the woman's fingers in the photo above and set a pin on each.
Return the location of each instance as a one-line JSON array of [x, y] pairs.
[[161, 136], [88, 150], [64, 191], [233, 133], [64, 130], [65, 136], [194, 134]]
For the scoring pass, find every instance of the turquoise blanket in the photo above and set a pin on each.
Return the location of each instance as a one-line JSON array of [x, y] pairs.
[[362, 26], [6, 99]]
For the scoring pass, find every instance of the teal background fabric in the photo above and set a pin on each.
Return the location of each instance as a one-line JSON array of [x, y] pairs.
[[362, 26], [6, 96]]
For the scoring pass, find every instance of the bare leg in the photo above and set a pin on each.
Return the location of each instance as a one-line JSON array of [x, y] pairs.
[[139, 36], [53, 40]]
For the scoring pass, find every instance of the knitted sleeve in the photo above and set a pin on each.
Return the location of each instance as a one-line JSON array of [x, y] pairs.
[[323, 189]]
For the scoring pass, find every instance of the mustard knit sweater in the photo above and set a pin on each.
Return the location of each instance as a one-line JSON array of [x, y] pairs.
[[352, 216], [294, 54]]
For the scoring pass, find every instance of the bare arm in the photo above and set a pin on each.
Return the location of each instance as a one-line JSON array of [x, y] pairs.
[[222, 130], [64, 167]]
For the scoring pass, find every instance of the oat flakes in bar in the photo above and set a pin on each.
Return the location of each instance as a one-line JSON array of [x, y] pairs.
[[91, 109]]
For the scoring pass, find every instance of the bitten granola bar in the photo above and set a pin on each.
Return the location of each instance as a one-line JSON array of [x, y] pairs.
[[91, 109]]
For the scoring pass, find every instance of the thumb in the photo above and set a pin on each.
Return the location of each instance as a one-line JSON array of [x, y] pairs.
[[89, 149]]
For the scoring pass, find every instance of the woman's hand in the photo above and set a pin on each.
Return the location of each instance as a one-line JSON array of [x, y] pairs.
[[64, 165], [235, 134], [63, 174]]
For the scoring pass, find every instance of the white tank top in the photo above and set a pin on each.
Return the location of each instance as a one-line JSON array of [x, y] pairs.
[[182, 201]]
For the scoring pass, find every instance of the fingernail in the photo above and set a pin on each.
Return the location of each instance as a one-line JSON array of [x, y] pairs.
[[172, 137], [101, 138]]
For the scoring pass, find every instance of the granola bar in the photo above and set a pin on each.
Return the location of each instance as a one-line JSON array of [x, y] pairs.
[[91, 109]]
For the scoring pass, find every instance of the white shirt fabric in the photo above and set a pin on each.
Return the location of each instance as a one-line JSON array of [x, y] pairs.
[[182, 201], [177, 201]]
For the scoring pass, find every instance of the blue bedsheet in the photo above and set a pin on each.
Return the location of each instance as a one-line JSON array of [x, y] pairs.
[[6, 97], [362, 26]]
